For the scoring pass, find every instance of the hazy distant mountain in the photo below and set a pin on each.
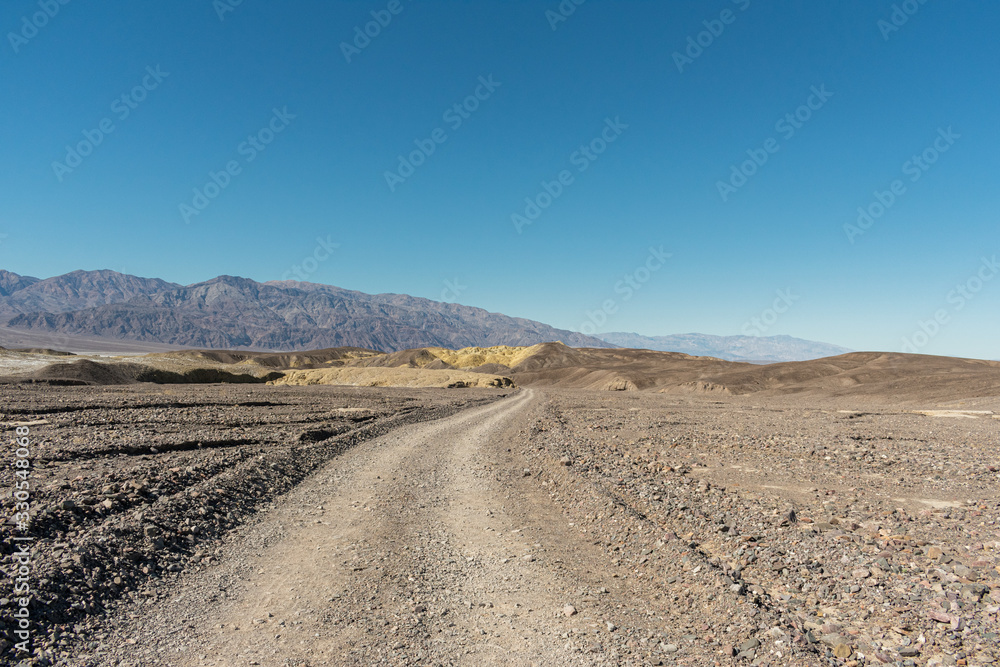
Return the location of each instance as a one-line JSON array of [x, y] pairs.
[[732, 348], [72, 291], [229, 312]]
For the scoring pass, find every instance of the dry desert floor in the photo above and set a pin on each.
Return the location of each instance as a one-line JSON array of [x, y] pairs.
[[318, 525]]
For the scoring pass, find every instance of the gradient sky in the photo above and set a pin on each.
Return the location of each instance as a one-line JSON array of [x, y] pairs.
[[446, 231]]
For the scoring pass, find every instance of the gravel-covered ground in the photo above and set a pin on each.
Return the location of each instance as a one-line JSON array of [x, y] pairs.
[[784, 532], [132, 486], [554, 527]]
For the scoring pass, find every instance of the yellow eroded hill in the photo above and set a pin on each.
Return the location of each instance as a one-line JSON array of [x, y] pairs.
[[392, 377], [471, 357]]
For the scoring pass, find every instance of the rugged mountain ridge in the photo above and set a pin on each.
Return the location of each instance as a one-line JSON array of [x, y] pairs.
[[72, 291], [233, 312], [11, 282]]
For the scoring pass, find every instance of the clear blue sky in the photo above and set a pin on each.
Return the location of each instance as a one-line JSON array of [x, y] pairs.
[[895, 92]]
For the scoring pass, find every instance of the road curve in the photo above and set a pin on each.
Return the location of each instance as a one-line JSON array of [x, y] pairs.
[[425, 546]]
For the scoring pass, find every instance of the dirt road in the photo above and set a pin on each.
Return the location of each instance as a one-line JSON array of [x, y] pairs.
[[562, 528], [425, 546]]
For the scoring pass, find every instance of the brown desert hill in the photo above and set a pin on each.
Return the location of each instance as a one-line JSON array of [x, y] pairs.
[[873, 375], [556, 365], [417, 358], [886, 375], [86, 372], [95, 373]]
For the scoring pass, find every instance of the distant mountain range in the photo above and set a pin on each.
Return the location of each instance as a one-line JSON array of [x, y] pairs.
[[237, 313], [229, 312], [73, 291], [731, 348]]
